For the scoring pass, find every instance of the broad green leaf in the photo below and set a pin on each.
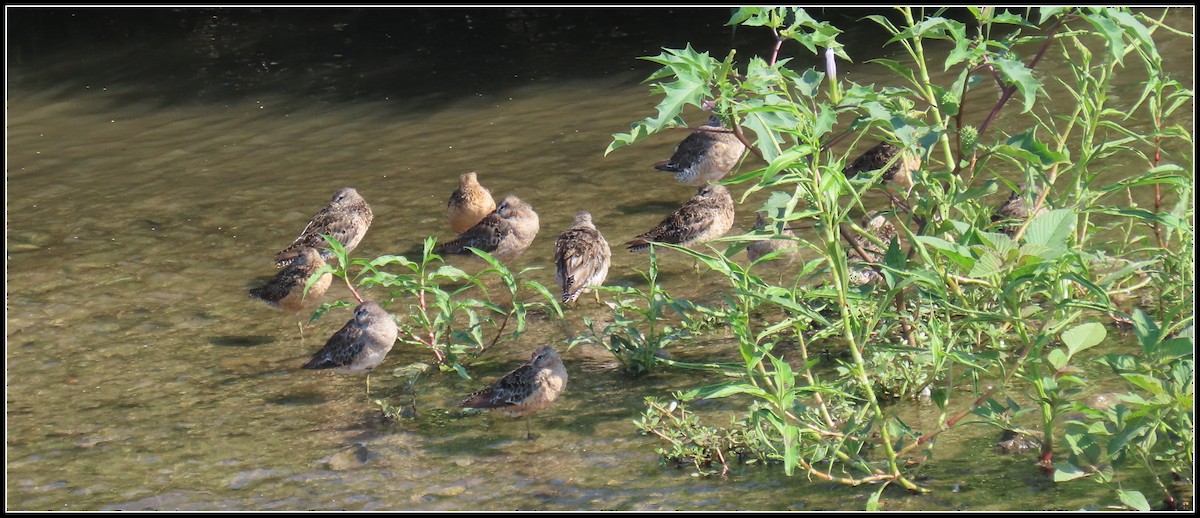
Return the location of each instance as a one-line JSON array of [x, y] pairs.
[[1083, 336], [1064, 472], [1021, 77], [1133, 499], [1051, 229]]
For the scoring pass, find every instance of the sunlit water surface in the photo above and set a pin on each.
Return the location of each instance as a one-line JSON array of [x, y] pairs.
[[141, 376]]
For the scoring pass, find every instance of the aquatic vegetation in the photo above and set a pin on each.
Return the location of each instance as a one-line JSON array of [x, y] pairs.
[[990, 326]]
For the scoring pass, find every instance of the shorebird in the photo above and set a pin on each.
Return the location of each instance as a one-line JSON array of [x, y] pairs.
[[468, 204], [707, 155], [1013, 212], [878, 157], [582, 257], [360, 345], [346, 218], [706, 216], [504, 233], [876, 224], [758, 249], [526, 390], [286, 290]]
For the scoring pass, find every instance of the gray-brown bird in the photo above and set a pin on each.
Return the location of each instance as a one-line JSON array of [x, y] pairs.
[[581, 258], [707, 155], [346, 218], [360, 345], [706, 216], [526, 390], [878, 157], [781, 241], [286, 290], [877, 225], [468, 204], [504, 233], [1015, 210]]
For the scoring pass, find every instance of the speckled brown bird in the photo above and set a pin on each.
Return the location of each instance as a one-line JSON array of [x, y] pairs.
[[286, 290], [346, 219], [504, 233], [468, 204], [360, 345], [876, 224], [707, 155], [1015, 210], [781, 241], [581, 258], [526, 390], [879, 156], [706, 216]]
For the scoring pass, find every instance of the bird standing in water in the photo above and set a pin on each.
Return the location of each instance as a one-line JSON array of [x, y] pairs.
[[1015, 210], [900, 171], [346, 219], [707, 155], [504, 233], [706, 216], [468, 204], [526, 390], [360, 345], [581, 258], [758, 249], [877, 225], [286, 290]]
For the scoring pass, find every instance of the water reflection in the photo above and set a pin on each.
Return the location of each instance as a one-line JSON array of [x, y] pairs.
[[152, 178]]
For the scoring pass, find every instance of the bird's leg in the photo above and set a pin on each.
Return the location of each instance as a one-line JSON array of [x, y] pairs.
[[368, 383], [597, 294], [528, 432]]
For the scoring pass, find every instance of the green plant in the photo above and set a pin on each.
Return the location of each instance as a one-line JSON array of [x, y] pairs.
[[964, 305], [440, 315]]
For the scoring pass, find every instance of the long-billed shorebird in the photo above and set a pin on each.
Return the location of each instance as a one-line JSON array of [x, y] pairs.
[[504, 233], [468, 204], [526, 390], [780, 241], [346, 218], [900, 171], [707, 155], [581, 258], [360, 345], [706, 216], [286, 290], [1015, 210], [877, 225]]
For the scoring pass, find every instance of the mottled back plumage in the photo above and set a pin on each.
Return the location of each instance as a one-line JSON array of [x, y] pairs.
[[468, 204], [361, 344], [876, 224], [286, 289], [530, 388], [706, 216], [581, 257], [1015, 210], [878, 157], [758, 249], [504, 233], [707, 155], [346, 218]]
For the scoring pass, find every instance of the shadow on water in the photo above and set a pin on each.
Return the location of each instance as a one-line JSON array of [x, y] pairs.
[[430, 56]]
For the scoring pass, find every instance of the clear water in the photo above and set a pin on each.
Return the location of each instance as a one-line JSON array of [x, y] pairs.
[[150, 180]]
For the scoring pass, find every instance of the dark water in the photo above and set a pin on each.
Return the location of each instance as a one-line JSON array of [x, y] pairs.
[[157, 159]]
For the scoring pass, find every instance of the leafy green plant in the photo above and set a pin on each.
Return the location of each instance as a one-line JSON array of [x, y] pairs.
[[639, 334], [440, 314], [964, 303]]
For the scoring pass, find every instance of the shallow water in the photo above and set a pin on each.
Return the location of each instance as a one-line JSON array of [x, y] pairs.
[[150, 183]]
